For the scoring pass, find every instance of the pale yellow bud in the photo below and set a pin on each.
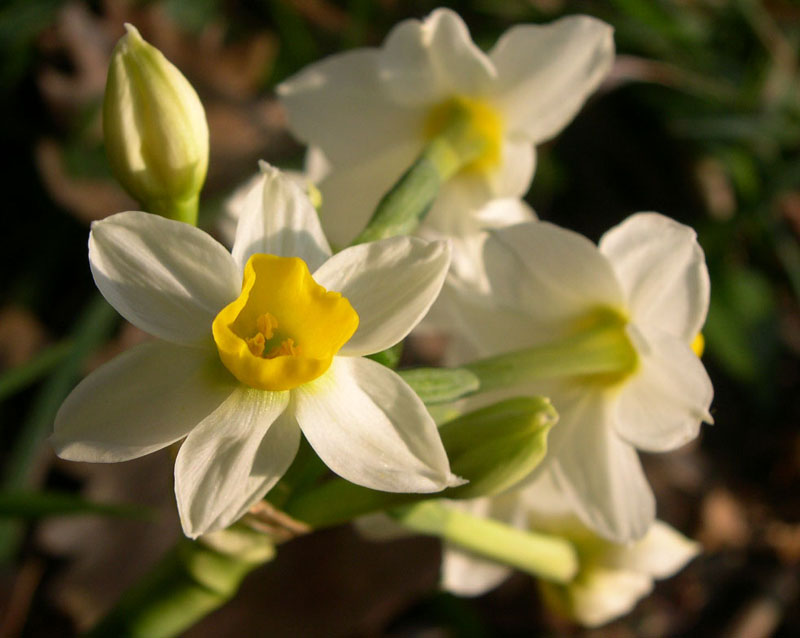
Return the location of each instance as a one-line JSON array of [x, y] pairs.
[[155, 129]]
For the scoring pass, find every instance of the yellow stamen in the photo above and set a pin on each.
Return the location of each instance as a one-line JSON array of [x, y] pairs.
[[266, 325], [285, 349], [257, 344], [699, 344]]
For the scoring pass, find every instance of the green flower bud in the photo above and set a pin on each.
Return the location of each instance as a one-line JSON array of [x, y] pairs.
[[155, 129], [498, 446]]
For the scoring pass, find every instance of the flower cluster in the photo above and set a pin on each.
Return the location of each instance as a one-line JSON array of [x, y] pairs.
[[262, 347]]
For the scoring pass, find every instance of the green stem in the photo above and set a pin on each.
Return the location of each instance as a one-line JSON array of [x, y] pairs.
[[408, 201], [602, 350], [548, 557], [182, 210], [338, 501], [188, 583]]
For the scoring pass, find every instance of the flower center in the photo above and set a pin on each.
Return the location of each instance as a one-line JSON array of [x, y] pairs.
[[477, 125], [284, 328], [604, 341]]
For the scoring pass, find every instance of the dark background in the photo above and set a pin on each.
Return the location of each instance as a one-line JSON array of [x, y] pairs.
[[699, 120]]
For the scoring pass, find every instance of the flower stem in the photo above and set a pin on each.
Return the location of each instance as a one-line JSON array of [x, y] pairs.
[[399, 212], [603, 349], [193, 579], [182, 210], [548, 557]]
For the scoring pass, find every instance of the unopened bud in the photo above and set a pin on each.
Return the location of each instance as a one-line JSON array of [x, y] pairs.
[[496, 447], [155, 129]]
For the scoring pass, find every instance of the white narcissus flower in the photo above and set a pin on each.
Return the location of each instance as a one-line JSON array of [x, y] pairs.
[[253, 347], [371, 111], [611, 578], [648, 281]]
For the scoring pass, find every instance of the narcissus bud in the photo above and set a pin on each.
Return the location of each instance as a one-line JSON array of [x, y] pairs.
[[155, 129], [496, 447]]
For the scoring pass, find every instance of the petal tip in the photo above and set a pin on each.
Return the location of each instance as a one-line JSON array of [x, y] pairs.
[[453, 480]]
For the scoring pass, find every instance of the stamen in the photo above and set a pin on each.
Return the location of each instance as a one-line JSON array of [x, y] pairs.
[[266, 325], [287, 348], [699, 344], [256, 344]]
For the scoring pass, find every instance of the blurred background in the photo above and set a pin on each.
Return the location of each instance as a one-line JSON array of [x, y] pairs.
[[700, 120]]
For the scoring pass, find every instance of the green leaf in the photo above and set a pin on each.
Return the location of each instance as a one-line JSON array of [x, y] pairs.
[[31, 505], [91, 329], [22, 376]]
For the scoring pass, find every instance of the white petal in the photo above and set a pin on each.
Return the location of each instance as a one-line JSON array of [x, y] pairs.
[[546, 72], [166, 277], [232, 207], [370, 428], [663, 271], [350, 192], [422, 63], [458, 202], [232, 458], [339, 105], [391, 284], [504, 211], [315, 165], [467, 266], [141, 401], [604, 594], [547, 509], [277, 218], [514, 174], [599, 473], [551, 273], [469, 202], [663, 403], [662, 552], [475, 319], [466, 574]]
